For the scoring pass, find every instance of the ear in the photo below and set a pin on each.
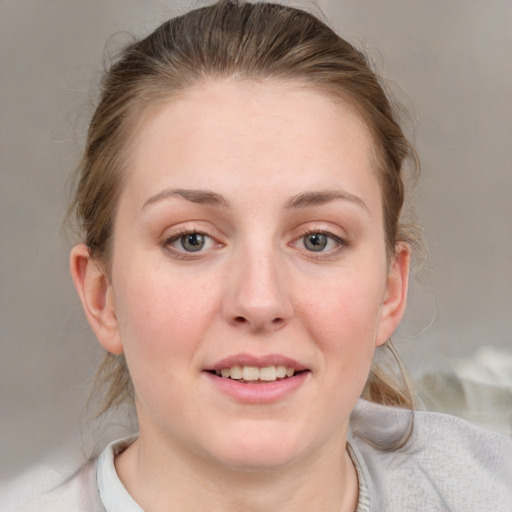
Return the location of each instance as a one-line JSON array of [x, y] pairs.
[[395, 297], [96, 293]]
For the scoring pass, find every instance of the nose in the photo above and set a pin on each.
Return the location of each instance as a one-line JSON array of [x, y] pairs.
[[258, 294]]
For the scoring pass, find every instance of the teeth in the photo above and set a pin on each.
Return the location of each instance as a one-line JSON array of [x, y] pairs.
[[254, 373], [235, 372], [281, 371], [251, 373], [268, 373]]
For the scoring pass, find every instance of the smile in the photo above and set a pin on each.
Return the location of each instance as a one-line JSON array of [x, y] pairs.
[[256, 374], [257, 379]]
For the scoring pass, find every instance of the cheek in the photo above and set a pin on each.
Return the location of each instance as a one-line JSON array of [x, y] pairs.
[[162, 322], [162, 318], [346, 303], [343, 316]]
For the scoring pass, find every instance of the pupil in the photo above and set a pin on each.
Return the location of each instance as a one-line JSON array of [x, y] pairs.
[[192, 242], [315, 242]]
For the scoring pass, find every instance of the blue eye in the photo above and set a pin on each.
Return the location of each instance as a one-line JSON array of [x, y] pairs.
[[190, 242], [315, 242]]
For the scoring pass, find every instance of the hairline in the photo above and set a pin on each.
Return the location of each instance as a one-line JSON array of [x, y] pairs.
[[154, 103]]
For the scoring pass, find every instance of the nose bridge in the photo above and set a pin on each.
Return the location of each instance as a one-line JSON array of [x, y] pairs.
[[258, 295]]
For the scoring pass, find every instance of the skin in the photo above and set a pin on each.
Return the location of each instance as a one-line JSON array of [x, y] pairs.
[[255, 287]]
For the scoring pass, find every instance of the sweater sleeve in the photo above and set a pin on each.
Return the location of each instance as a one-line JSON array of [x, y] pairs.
[[78, 493], [446, 465]]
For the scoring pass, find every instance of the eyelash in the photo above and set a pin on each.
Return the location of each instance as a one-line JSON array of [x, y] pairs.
[[192, 255], [183, 254], [341, 243]]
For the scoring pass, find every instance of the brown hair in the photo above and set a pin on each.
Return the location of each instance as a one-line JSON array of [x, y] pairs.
[[260, 41]]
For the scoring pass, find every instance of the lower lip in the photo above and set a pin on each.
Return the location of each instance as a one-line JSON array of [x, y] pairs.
[[264, 393]]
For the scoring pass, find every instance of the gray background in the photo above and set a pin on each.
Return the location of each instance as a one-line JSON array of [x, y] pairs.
[[452, 59]]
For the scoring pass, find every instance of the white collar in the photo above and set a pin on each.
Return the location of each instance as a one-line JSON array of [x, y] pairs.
[[113, 493]]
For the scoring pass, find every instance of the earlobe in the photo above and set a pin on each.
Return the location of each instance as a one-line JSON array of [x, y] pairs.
[[96, 294], [395, 299]]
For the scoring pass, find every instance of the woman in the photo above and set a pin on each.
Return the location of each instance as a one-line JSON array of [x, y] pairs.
[[245, 253]]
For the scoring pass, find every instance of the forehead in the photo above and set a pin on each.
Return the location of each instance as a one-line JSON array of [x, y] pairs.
[[229, 134]]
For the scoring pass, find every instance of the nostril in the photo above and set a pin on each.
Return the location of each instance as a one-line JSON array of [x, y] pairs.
[[258, 324]]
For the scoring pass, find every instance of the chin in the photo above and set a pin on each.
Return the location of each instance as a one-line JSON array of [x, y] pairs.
[[260, 448]]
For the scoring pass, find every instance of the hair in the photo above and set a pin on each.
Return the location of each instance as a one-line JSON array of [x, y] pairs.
[[241, 41]]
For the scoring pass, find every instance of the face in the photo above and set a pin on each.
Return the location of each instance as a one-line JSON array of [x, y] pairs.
[[249, 283]]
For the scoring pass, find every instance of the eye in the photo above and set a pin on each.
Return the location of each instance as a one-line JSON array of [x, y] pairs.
[[315, 242], [190, 242], [319, 241]]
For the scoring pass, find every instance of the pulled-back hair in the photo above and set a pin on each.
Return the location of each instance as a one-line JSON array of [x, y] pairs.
[[241, 41]]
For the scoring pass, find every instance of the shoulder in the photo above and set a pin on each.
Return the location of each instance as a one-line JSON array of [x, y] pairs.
[[77, 493], [94, 487], [447, 463]]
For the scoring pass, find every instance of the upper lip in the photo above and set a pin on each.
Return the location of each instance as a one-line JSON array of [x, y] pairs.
[[258, 361]]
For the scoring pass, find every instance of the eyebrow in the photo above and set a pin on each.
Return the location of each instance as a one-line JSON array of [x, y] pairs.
[[318, 198], [192, 195], [303, 200]]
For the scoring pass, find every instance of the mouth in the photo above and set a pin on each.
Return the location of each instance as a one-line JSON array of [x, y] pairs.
[[258, 379], [248, 374]]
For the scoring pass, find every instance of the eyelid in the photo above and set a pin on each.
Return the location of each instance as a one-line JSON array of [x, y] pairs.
[[342, 243], [171, 240], [179, 232]]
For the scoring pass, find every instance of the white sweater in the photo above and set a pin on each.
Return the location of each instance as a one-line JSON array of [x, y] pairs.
[[446, 465]]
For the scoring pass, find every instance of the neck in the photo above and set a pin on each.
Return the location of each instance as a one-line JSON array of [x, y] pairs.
[[157, 476]]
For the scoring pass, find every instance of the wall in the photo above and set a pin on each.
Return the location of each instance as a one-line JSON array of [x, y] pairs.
[[451, 63]]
